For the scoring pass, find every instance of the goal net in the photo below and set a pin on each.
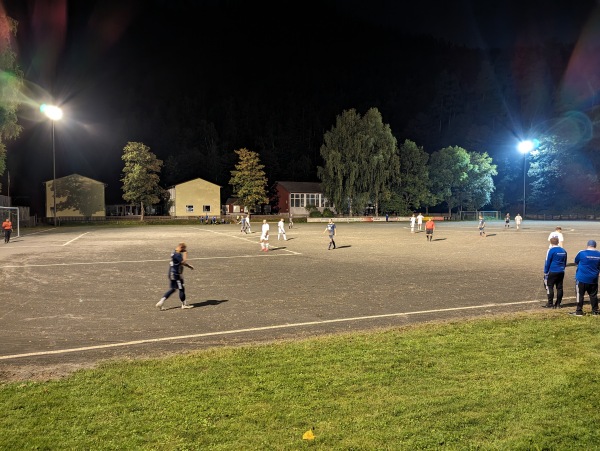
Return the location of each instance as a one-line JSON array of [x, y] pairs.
[[474, 215], [11, 213]]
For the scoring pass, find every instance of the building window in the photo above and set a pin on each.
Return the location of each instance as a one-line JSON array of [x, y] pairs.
[[297, 200], [311, 199], [189, 208], [206, 208]]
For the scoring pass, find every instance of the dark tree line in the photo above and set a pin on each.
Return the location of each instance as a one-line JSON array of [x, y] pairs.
[[276, 90]]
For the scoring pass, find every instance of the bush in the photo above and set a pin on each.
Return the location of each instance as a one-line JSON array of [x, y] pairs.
[[327, 213], [315, 214]]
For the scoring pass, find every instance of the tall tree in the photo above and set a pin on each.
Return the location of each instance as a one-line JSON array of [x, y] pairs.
[[383, 162], [141, 176], [11, 79], [248, 180], [461, 178], [360, 161], [478, 190], [344, 161], [449, 172], [414, 186]]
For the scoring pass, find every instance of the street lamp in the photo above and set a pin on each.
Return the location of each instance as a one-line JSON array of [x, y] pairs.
[[54, 113], [525, 147]]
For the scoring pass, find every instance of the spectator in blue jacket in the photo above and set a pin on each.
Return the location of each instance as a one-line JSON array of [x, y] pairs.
[[586, 277], [554, 272]]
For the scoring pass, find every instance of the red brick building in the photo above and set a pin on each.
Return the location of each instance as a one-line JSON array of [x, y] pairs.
[[294, 197]]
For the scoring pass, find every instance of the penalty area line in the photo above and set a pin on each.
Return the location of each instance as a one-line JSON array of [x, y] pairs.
[[76, 238], [256, 329]]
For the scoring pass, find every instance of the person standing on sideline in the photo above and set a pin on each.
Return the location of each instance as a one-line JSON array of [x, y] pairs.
[[331, 230], [7, 227], [264, 236], [429, 228], [586, 277], [243, 224], [420, 222], [281, 230], [413, 220], [507, 221], [518, 220], [291, 224], [554, 273], [178, 261], [481, 226], [558, 234]]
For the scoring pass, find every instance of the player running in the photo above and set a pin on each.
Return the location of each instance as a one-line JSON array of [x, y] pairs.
[[178, 261]]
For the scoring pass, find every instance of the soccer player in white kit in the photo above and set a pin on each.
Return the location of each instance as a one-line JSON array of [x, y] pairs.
[[412, 223], [558, 234], [281, 230], [264, 236], [420, 221]]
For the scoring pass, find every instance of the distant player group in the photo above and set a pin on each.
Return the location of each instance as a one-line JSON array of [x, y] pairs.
[[586, 276], [179, 257]]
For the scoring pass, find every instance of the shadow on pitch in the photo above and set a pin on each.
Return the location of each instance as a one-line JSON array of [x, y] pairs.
[[343, 247], [436, 239], [209, 302], [197, 304]]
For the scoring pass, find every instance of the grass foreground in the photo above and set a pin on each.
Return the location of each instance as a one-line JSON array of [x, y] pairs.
[[520, 382]]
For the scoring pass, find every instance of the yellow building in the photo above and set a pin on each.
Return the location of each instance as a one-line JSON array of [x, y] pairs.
[[195, 198], [76, 197]]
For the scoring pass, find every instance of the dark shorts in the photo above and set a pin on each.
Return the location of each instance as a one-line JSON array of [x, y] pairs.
[[429, 232], [177, 284]]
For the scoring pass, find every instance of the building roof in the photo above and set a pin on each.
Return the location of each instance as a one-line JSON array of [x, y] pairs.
[[232, 201], [301, 187], [194, 180]]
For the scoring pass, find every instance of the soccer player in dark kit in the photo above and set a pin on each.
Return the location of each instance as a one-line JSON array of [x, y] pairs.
[[178, 261]]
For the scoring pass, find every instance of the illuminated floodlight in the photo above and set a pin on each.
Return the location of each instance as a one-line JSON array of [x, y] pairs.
[[525, 146], [52, 112]]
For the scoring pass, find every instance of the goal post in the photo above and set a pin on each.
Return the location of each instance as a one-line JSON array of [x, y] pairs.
[[11, 213], [489, 214], [474, 215]]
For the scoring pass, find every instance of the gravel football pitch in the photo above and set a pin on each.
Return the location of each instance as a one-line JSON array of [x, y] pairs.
[[75, 296]]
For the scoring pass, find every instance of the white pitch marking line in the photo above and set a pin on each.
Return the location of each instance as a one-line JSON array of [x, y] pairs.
[[256, 329], [291, 253], [243, 238], [76, 238], [40, 231]]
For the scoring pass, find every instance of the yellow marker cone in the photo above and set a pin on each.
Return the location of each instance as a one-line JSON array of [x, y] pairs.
[[308, 435]]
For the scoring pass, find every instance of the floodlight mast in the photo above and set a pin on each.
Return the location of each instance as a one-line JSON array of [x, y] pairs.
[[53, 113], [525, 147]]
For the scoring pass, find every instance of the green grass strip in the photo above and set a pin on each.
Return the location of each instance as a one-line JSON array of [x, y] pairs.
[[518, 383]]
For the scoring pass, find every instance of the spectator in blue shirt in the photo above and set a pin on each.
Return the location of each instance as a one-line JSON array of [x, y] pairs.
[[586, 277], [554, 272]]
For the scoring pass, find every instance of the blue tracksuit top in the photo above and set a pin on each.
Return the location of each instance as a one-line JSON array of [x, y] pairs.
[[588, 266], [556, 260]]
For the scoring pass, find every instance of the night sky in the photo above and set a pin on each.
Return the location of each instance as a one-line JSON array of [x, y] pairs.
[[122, 70]]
